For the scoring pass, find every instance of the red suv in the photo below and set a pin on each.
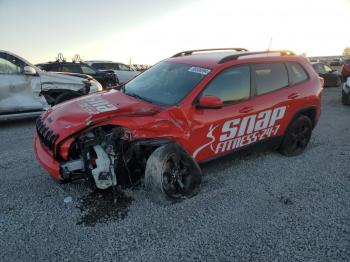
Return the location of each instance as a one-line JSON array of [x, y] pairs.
[[188, 109]]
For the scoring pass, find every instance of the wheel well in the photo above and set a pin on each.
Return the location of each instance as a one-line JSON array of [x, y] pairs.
[[310, 113]]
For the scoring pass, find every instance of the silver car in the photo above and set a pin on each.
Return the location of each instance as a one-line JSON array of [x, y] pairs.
[[25, 90]]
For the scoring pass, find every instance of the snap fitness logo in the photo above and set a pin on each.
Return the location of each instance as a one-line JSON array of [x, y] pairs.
[[243, 131], [96, 104]]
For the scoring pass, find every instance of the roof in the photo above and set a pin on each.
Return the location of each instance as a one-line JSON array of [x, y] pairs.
[[211, 58]]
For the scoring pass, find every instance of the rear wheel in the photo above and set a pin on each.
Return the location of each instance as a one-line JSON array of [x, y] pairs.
[[171, 175], [297, 137], [65, 97]]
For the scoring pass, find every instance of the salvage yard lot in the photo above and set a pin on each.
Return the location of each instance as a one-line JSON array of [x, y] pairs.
[[260, 206]]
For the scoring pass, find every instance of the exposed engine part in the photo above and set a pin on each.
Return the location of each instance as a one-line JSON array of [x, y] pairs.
[[72, 166], [103, 174], [108, 156]]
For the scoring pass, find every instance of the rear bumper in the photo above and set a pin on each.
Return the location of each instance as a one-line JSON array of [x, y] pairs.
[[46, 160]]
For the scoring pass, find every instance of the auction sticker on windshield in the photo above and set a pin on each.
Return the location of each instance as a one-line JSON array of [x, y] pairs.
[[199, 70]]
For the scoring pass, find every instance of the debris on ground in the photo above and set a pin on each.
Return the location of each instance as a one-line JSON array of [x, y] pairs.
[[101, 206]]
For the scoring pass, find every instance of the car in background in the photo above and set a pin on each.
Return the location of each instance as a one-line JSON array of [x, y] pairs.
[[336, 62], [123, 72], [345, 70], [331, 77], [345, 96], [26, 91], [107, 79]]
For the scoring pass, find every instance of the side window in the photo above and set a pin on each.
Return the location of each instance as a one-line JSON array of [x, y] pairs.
[[10, 65], [71, 68], [270, 77], [123, 67], [87, 70], [231, 85], [296, 73]]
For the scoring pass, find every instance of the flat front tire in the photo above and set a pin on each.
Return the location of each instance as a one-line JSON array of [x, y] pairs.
[[171, 175], [297, 136]]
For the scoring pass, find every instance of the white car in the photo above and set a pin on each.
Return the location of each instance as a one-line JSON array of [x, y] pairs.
[[27, 91], [123, 72]]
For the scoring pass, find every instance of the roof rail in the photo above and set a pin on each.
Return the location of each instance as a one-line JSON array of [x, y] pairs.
[[190, 52], [256, 54]]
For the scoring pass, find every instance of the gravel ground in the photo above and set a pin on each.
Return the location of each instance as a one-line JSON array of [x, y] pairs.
[[259, 207]]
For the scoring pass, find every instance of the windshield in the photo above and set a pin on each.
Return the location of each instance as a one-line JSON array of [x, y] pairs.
[[166, 83]]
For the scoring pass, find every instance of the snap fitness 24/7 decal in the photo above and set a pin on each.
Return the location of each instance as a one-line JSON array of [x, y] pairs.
[[243, 131]]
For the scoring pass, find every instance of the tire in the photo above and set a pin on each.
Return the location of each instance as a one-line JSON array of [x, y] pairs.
[[297, 137], [345, 99], [171, 175], [338, 82], [65, 97]]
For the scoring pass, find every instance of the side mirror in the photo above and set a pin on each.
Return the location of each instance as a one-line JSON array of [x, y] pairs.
[[28, 70], [210, 102]]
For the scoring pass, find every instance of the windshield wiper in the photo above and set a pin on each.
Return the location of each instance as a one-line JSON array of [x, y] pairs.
[[139, 97]]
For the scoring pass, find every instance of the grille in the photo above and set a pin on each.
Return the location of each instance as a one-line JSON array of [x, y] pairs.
[[46, 136]]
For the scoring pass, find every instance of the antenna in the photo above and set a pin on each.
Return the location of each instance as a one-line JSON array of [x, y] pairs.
[[269, 47]]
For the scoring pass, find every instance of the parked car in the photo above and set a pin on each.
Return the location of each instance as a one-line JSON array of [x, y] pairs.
[[188, 109], [123, 72], [331, 77], [345, 70], [26, 91], [336, 62], [345, 98], [107, 78]]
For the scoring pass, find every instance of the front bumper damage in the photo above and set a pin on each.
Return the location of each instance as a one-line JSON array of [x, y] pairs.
[[46, 160], [105, 155]]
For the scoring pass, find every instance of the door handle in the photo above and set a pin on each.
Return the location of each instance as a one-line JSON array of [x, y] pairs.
[[293, 96], [246, 109]]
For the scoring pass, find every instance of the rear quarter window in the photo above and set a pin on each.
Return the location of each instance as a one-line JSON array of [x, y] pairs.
[[297, 73], [270, 77]]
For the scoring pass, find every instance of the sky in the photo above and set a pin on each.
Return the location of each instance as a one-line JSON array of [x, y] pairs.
[[147, 31]]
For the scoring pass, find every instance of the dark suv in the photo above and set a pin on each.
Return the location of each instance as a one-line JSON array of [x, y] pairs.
[[107, 78]]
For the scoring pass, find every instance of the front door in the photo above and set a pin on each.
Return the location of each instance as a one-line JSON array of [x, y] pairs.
[[16, 88]]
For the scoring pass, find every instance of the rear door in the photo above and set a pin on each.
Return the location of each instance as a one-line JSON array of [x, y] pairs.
[[16, 90], [278, 89]]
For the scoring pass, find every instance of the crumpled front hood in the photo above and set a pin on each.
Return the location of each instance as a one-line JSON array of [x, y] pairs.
[[60, 78], [77, 114]]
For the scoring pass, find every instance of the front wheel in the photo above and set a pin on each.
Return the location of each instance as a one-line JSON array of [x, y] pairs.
[[171, 175], [297, 137]]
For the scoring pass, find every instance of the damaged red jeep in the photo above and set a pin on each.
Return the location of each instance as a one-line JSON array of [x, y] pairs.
[[190, 108]]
